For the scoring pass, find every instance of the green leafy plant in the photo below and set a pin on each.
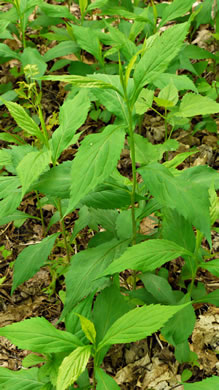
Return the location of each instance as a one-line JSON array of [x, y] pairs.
[[5, 252], [20, 13], [92, 184], [92, 340]]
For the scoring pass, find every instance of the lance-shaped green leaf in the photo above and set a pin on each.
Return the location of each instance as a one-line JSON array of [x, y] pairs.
[[62, 49], [147, 152], [111, 7], [4, 33], [144, 101], [139, 24], [81, 81], [197, 53], [124, 13], [96, 159], [168, 96], [104, 381], [24, 120], [16, 154], [112, 99], [88, 40], [10, 203], [88, 328], [108, 4], [159, 288], [85, 266], [23, 379], [72, 321], [212, 298], [207, 384], [9, 96], [146, 256], [138, 324], [180, 327], [176, 9], [178, 229], [193, 104], [31, 259], [31, 167], [56, 11], [212, 266], [187, 197], [109, 305], [39, 335], [5, 157], [72, 115], [121, 42], [32, 360], [178, 159], [26, 5], [96, 4], [8, 184], [108, 195], [167, 46], [16, 215], [56, 181], [5, 51], [72, 367], [83, 5], [202, 175], [181, 82]]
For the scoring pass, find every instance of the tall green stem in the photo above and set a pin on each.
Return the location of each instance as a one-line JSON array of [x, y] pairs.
[[23, 31], [166, 127], [21, 23], [62, 226], [94, 379], [132, 148], [166, 132], [43, 125], [41, 214], [199, 237], [134, 179]]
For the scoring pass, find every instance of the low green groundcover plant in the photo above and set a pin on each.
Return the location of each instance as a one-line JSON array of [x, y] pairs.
[[98, 312]]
